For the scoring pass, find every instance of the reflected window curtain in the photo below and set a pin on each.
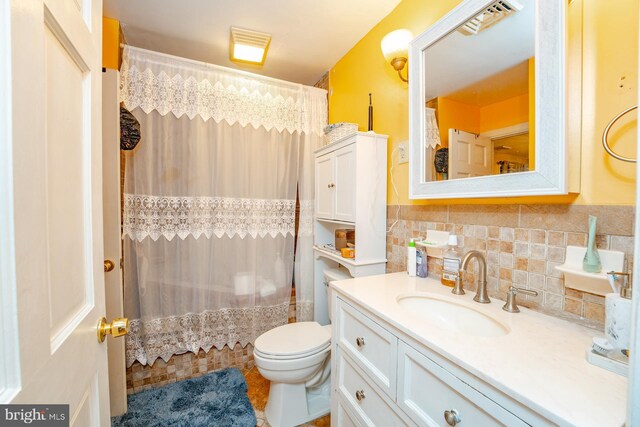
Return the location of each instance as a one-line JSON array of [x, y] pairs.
[[210, 193], [432, 140]]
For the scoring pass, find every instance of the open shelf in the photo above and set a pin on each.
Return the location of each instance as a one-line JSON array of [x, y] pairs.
[[335, 221], [594, 283], [346, 261]]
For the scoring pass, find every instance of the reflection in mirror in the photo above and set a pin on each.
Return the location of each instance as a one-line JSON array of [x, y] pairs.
[[479, 85]]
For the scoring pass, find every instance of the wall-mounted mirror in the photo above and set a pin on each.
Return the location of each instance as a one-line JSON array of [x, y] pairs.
[[487, 101]]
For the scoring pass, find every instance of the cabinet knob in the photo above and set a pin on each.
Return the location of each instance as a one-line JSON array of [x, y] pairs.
[[331, 185], [451, 417], [360, 395], [360, 341]]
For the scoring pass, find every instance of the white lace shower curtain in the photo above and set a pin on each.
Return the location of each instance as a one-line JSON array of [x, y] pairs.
[[209, 203]]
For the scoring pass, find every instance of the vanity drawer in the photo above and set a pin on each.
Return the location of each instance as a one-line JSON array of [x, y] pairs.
[[369, 405], [372, 346], [426, 391]]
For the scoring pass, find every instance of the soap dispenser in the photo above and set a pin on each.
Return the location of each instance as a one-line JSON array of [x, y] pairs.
[[411, 258], [451, 259]]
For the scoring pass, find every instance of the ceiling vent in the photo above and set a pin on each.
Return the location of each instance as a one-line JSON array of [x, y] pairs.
[[248, 46], [491, 15]]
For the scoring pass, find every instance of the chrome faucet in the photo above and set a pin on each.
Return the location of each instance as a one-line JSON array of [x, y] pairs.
[[481, 294]]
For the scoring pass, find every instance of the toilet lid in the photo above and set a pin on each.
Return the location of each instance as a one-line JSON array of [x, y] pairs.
[[294, 339]]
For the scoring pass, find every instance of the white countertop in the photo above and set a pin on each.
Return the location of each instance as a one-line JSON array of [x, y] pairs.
[[540, 363]]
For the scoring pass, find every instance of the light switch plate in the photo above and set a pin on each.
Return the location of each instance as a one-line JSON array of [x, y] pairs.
[[403, 154]]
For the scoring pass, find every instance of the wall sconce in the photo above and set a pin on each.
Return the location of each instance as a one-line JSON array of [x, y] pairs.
[[395, 48]]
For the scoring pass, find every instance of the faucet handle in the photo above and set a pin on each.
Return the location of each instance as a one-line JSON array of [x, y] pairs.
[[511, 306], [458, 288]]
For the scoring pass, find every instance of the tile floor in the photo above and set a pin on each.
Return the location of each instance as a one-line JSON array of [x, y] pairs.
[[258, 394]]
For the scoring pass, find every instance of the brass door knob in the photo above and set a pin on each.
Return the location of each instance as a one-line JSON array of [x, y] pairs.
[[108, 265], [117, 328]]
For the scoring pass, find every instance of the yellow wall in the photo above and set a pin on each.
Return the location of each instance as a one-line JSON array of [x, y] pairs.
[[505, 113], [110, 43], [469, 118], [456, 115], [610, 51]]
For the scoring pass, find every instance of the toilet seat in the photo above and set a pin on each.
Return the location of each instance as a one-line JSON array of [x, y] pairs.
[[293, 341]]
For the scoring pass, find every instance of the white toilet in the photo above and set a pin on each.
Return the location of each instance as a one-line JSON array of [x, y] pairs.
[[296, 359]]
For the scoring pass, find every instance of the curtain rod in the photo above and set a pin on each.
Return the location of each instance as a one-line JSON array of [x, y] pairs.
[[223, 68]]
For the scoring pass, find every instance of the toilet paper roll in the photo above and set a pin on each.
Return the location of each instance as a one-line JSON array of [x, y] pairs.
[[617, 326]]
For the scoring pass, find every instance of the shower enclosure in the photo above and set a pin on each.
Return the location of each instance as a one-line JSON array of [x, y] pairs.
[[209, 204]]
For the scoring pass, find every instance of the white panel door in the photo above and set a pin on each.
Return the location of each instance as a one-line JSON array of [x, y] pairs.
[[469, 155], [345, 183], [53, 222], [325, 186]]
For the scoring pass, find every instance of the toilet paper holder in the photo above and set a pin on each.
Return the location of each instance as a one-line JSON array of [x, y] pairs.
[[622, 281]]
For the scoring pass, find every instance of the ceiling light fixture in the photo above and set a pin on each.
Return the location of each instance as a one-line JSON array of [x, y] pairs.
[[248, 46], [395, 48]]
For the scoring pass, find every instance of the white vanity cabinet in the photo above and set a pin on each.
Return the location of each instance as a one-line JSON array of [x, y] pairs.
[[378, 379]]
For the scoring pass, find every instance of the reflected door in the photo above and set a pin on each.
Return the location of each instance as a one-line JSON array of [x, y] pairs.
[[469, 155]]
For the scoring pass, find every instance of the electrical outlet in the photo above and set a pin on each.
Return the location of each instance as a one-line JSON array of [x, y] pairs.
[[403, 154]]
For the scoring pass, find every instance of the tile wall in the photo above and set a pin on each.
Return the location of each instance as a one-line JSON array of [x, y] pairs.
[[522, 245]]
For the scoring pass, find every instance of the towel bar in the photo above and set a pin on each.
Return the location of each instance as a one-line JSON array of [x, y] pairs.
[[605, 135]]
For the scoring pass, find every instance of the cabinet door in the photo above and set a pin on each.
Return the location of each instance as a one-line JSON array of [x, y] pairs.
[[325, 186], [345, 183]]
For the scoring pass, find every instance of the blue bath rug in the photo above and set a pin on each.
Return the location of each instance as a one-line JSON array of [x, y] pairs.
[[216, 399]]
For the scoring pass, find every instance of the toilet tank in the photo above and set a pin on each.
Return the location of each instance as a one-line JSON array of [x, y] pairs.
[[330, 275]]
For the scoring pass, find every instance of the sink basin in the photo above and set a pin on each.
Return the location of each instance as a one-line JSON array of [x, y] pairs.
[[452, 315]]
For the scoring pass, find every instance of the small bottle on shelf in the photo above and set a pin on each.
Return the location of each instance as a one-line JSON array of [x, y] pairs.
[[411, 258], [451, 259]]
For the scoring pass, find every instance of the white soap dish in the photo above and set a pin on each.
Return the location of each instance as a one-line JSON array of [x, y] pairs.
[[435, 243], [594, 283], [612, 362]]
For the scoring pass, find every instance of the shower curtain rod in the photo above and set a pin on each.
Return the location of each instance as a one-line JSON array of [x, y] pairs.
[[229, 69]]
